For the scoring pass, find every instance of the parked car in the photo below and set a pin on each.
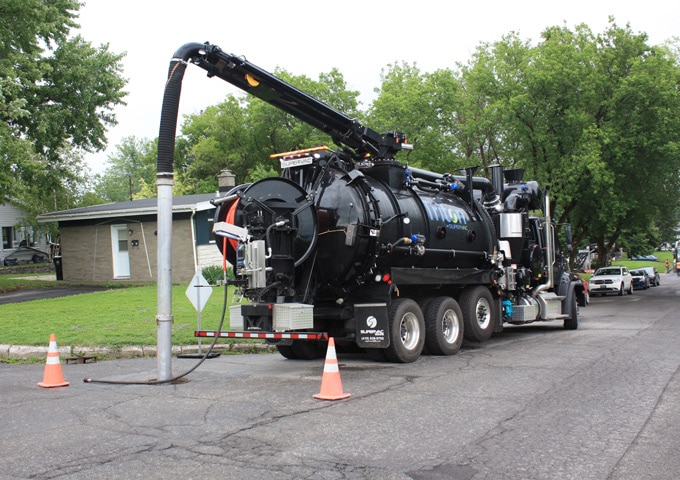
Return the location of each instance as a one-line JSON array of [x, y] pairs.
[[25, 255], [654, 276], [640, 279], [611, 280], [646, 258]]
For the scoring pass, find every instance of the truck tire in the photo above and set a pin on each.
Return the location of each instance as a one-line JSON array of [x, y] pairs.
[[302, 350], [287, 352], [477, 306], [443, 326], [407, 331], [309, 350], [571, 323]]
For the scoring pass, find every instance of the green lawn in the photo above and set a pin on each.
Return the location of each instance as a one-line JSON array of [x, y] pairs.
[[118, 317], [634, 264], [660, 265]]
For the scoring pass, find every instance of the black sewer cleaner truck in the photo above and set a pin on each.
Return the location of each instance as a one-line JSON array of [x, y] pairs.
[[353, 244]]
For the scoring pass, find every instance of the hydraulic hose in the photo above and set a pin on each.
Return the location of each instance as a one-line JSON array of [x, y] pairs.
[[170, 108]]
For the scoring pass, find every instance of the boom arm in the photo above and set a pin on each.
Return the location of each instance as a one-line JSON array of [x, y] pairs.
[[262, 84]]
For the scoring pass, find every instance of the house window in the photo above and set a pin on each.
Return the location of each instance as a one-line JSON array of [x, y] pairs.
[[7, 237]]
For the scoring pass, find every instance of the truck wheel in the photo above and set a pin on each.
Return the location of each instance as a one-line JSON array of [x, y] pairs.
[[443, 326], [621, 290], [407, 331], [478, 313], [571, 323], [309, 350], [287, 352]]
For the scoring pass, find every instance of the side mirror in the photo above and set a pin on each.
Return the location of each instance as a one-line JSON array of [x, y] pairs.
[[567, 236]]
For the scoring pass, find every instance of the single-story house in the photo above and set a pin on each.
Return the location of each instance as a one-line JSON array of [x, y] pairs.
[[13, 231], [118, 241]]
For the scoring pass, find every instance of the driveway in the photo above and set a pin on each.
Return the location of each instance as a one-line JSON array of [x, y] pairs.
[[52, 292]]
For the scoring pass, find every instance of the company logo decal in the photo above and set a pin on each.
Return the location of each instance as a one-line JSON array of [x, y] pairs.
[[455, 218]]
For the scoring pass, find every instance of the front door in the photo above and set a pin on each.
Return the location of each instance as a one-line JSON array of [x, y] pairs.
[[121, 258]]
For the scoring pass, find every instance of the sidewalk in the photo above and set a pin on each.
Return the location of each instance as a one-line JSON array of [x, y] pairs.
[[25, 352]]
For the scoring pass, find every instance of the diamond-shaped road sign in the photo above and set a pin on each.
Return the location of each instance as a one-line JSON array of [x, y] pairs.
[[199, 291]]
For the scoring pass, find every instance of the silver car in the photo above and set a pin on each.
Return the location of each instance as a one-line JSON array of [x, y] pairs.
[[25, 255], [611, 280], [653, 274]]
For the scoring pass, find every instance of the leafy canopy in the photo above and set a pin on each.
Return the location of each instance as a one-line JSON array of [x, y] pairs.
[[594, 116], [57, 95]]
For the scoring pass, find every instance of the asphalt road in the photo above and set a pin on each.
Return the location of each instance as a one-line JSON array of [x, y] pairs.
[[40, 293], [536, 402]]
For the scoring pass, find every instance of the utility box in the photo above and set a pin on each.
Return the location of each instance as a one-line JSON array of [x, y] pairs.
[[293, 316], [235, 318]]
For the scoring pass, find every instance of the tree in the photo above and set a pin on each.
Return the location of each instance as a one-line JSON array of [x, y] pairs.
[[57, 95], [416, 101], [590, 115], [241, 132], [639, 121], [131, 167]]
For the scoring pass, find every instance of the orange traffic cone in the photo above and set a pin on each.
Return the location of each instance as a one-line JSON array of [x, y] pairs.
[[331, 384], [53, 376]]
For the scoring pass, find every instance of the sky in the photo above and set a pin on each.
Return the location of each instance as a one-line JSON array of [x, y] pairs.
[[308, 37]]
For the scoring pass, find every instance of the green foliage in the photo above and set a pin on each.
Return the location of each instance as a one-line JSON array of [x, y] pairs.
[[261, 171], [419, 102], [241, 133], [589, 115], [57, 95], [214, 274], [131, 170], [640, 243]]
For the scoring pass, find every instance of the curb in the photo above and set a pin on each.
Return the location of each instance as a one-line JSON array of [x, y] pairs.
[[25, 352]]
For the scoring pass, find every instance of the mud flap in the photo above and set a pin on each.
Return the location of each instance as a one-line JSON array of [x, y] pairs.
[[498, 321], [372, 325]]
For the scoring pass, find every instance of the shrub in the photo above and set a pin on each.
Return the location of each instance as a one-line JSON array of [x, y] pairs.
[[214, 274]]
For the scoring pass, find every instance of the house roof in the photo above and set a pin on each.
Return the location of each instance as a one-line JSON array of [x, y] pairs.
[[144, 206]]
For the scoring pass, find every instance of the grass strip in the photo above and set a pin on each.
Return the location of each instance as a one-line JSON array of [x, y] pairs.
[[117, 317]]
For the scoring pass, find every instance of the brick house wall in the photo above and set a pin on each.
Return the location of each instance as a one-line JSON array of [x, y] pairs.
[[88, 255]]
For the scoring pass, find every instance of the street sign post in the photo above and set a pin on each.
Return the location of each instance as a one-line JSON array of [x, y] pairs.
[[198, 293]]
